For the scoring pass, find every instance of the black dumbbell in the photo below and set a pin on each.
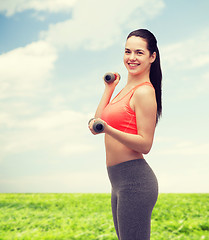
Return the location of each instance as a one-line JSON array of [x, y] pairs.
[[110, 77], [98, 126]]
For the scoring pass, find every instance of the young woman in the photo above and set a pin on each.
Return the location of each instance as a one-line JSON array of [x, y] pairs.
[[129, 125]]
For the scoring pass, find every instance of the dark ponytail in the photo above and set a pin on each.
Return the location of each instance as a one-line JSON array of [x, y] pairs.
[[155, 70]]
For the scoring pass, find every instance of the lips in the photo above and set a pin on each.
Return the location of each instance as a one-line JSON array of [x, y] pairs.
[[133, 65]]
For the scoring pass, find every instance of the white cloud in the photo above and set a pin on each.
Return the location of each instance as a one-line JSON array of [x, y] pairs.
[[98, 24], [64, 132], [185, 66], [13, 6], [182, 146], [26, 69], [187, 149], [191, 53]]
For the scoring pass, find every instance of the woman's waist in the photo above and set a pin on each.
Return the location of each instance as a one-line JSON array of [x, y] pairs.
[[118, 157], [117, 152]]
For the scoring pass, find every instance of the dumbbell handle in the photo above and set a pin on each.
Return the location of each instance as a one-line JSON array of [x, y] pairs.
[[98, 126], [110, 77]]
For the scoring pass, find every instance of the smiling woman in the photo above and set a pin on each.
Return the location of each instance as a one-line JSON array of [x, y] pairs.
[[129, 125]]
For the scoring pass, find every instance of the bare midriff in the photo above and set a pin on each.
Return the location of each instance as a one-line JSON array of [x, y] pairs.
[[117, 152]]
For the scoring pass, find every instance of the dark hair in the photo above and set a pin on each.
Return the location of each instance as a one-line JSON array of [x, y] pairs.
[[155, 70]]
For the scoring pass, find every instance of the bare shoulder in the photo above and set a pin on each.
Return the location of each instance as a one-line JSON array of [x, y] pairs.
[[144, 99], [144, 92]]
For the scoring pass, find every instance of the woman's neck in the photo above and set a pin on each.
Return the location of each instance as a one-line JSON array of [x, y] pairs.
[[134, 80]]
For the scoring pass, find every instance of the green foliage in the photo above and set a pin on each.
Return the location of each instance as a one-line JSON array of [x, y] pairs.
[[181, 216], [89, 217]]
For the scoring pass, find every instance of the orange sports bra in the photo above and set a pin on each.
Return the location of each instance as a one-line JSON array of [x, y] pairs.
[[119, 115]]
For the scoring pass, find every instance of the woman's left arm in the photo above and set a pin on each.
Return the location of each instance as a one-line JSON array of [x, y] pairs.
[[145, 107]]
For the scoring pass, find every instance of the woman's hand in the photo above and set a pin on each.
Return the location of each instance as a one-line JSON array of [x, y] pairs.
[[114, 83], [91, 123]]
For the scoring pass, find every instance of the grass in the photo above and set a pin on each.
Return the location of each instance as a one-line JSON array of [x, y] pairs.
[[88, 217], [181, 216]]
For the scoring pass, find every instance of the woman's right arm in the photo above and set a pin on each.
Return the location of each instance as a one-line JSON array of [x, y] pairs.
[[109, 89]]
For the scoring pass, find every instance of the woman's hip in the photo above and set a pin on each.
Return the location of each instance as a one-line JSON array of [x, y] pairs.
[[133, 175]]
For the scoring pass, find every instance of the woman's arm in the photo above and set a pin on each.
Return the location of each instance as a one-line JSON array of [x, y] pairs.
[[109, 89], [145, 107]]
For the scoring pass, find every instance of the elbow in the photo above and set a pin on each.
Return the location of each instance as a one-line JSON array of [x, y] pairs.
[[144, 144], [146, 151], [146, 148]]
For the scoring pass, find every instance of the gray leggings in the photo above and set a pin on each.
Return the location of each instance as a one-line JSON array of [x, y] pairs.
[[134, 194]]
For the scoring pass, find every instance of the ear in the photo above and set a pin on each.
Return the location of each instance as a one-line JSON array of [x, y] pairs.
[[153, 57]]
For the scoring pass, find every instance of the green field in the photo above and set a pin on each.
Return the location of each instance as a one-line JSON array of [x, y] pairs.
[[88, 217]]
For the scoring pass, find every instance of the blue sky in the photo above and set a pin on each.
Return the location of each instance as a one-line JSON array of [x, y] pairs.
[[53, 55]]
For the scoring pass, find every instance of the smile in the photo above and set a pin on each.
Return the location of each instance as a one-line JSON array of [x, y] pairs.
[[133, 64]]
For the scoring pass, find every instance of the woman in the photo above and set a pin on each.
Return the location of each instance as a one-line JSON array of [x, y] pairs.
[[129, 125]]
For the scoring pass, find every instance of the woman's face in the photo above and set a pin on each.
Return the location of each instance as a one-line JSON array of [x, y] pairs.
[[137, 58]]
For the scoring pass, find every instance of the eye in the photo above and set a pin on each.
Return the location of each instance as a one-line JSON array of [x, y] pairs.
[[139, 53], [127, 51]]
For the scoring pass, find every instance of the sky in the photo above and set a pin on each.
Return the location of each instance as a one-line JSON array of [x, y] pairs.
[[53, 55]]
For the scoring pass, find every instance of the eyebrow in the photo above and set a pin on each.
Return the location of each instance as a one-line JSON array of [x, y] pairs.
[[137, 50]]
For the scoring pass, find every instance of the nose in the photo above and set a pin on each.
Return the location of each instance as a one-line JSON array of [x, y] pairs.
[[132, 57]]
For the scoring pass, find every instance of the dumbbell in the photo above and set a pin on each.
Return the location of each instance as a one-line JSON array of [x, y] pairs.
[[98, 126], [110, 77]]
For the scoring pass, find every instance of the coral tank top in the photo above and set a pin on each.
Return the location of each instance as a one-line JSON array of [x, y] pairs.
[[119, 115]]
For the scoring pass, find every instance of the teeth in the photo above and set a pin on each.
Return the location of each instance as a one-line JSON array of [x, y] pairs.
[[133, 65]]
